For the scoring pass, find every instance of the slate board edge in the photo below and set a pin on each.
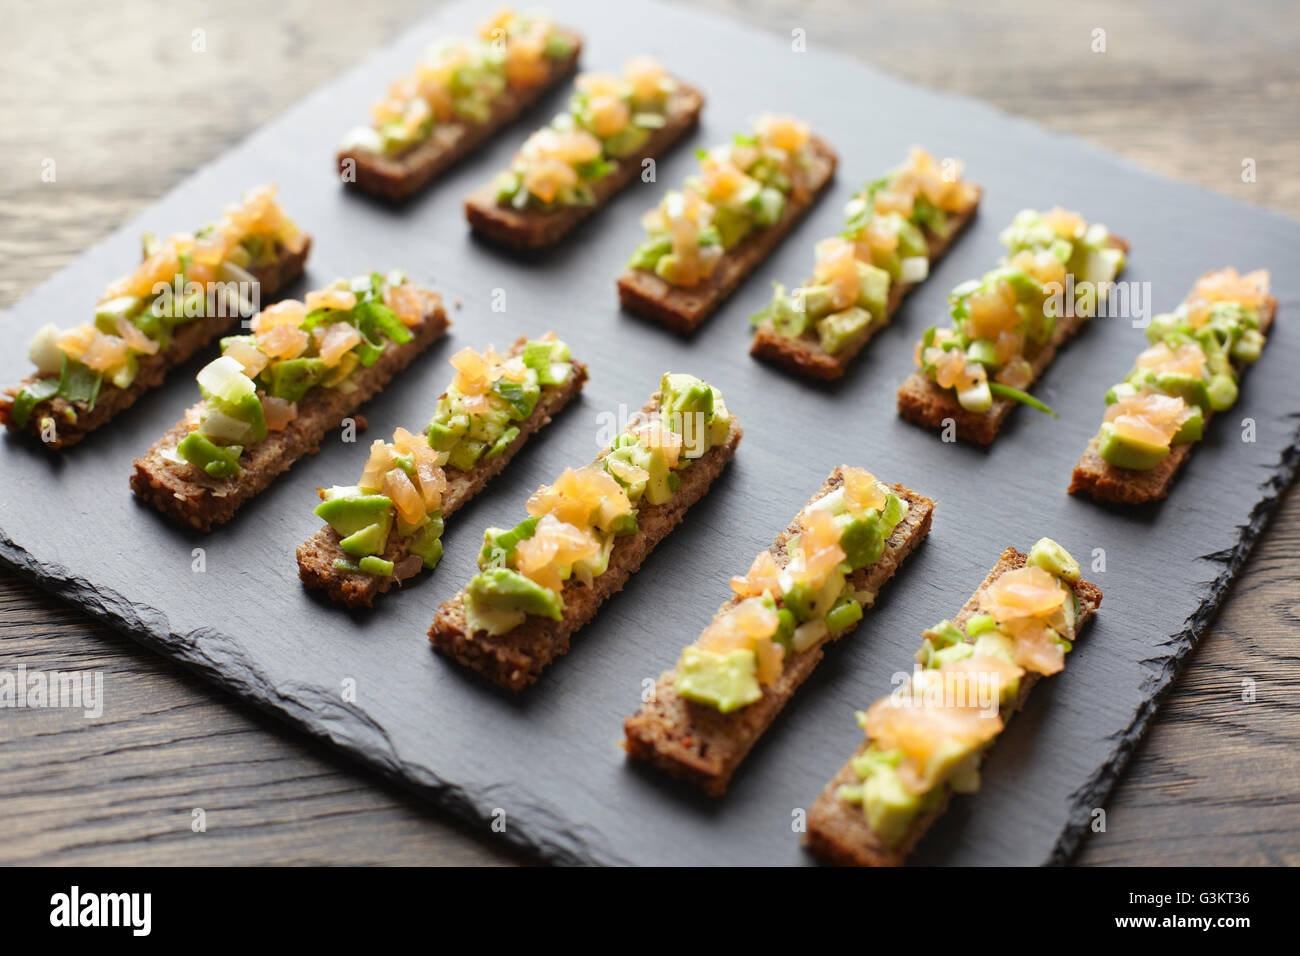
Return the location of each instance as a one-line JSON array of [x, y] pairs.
[[1096, 790], [148, 626]]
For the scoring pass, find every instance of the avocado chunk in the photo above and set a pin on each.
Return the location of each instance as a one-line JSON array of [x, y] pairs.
[[369, 540], [873, 290], [1190, 388], [427, 541], [500, 594], [1123, 452], [889, 807], [348, 514], [1192, 429], [725, 682], [1222, 392], [977, 398], [682, 395], [216, 460], [371, 564], [499, 544], [839, 328], [861, 538], [1053, 558], [292, 378]]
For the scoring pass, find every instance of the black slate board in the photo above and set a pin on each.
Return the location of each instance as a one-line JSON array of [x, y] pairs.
[[549, 758]]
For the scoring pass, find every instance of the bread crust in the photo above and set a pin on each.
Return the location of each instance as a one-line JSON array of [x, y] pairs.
[[1094, 476], [922, 402], [187, 340], [684, 309], [396, 178], [187, 495], [516, 659], [698, 744], [837, 830], [529, 228], [805, 355], [316, 556]]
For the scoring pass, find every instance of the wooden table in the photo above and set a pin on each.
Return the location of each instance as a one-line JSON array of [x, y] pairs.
[[122, 101]]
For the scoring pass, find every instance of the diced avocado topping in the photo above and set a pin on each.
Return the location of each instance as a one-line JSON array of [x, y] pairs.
[[1197, 354], [217, 461], [372, 564], [498, 600], [475, 418], [889, 807], [295, 348], [725, 682], [1126, 451], [348, 514], [1053, 558], [461, 80], [742, 187], [786, 609], [609, 117], [135, 318], [575, 522]]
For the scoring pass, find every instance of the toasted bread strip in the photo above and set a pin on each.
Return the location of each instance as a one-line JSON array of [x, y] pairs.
[[701, 745], [187, 339], [805, 354], [684, 309], [838, 831], [317, 555], [530, 228], [188, 495], [1095, 476], [398, 177], [923, 402], [516, 659]]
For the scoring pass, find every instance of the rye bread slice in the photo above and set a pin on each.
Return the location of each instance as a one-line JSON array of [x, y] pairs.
[[516, 659], [530, 228], [922, 402], [190, 496], [805, 354], [697, 743], [684, 309], [187, 340], [1094, 476], [838, 830], [398, 177], [317, 555]]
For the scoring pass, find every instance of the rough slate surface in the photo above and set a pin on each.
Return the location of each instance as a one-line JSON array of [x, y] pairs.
[[549, 758]]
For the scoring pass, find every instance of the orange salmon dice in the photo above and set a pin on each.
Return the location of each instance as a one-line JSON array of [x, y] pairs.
[[343, 299], [1226, 285], [339, 339], [1148, 417], [837, 266], [1187, 359], [545, 177], [740, 627], [1024, 592], [922, 728], [380, 462], [862, 490], [250, 358], [646, 76], [406, 301], [289, 312], [1066, 224], [405, 496], [992, 311], [781, 132], [282, 341], [764, 575]]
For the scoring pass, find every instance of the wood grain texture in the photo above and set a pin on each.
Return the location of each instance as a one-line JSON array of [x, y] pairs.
[[1188, 89]]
